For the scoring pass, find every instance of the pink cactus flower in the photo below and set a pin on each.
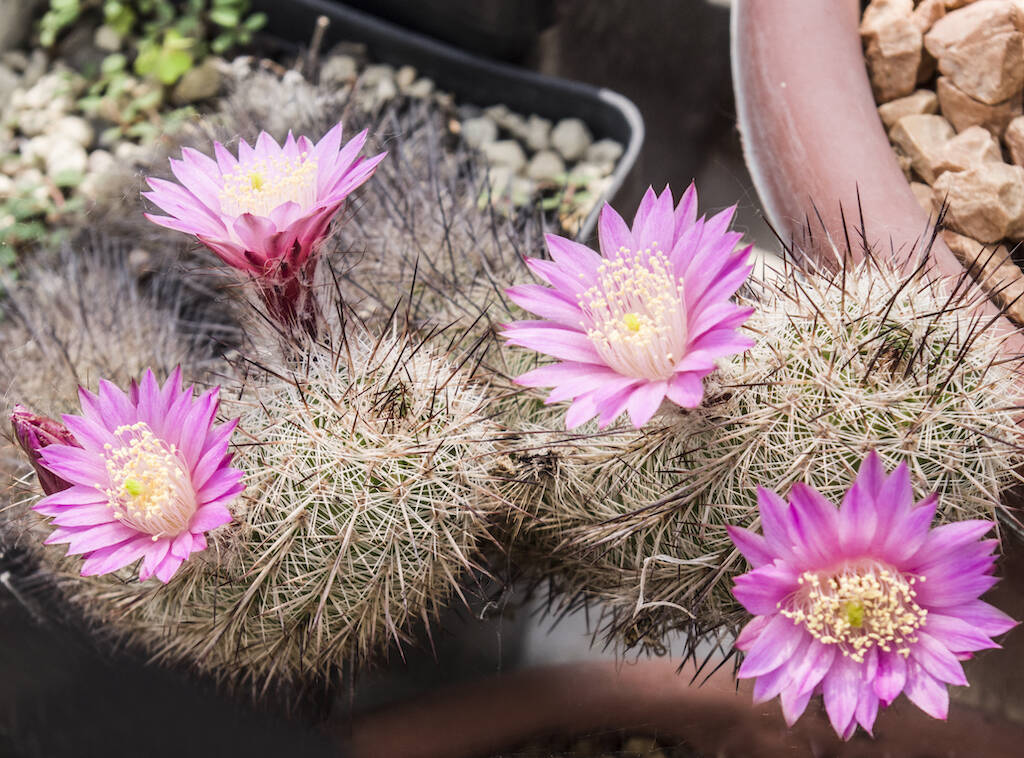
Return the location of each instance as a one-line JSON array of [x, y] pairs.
[[150, 478], [642, 321], [266, 211], [862, 602], [34, 432]]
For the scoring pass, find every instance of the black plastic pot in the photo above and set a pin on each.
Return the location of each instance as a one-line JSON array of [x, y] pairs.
[[470, 78]]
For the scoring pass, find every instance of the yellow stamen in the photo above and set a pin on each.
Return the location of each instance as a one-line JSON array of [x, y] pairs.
[[133, 487], [632, 322]]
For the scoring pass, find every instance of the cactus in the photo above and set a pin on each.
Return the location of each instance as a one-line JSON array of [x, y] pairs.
[[849, 361]]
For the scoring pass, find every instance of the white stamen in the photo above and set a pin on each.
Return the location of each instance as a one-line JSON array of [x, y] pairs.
[[150, 488], [858, 607], [260, 185], [637, 314]]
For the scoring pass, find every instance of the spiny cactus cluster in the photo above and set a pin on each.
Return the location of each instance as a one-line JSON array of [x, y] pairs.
[[846, 362], [370, 476]]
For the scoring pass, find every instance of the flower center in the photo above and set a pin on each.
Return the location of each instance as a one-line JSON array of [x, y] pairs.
[[859, 607], [637, 314], [150, 488], [262, 184]]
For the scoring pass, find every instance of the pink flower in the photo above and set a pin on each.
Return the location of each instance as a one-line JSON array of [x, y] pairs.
[[265, 212], [35, 432], [863, 602], [151, 477], [643, 320]]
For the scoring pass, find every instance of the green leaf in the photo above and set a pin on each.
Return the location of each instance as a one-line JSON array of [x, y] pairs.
[[222, 43], [113, 62], [225, 17], [255, 22], [172, 65], [68, 178]]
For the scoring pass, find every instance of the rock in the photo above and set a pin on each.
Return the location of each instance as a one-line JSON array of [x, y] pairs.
[[892, 47], [35, 68], [130, 153], [405, 77], [994, 270], [106, 38], [571, 138], [537, 133], [499, 177], [963, 111], [376, 73], [506, 152], [904, 161], [8, 83], [969, 148], [199, 83], [65, 157], [547, 165], [604, 151], [980, 49], [927, 13], [920, 102], [479, 131], [421, 88], [6, 186], [74, 128], [587, 170], [386, 90], [1014, 139], [338, 69], [985, 202], [100, 178], [522, 190], [922, 138], [923, 194]]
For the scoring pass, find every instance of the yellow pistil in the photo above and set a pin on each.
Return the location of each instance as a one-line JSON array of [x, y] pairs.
[[636, 314], [150, 487], [261, 185], [858, 607]]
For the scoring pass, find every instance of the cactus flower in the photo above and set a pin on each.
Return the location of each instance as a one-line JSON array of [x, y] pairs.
[[149, 474], [643, 320], [862, 602], [265, 211]]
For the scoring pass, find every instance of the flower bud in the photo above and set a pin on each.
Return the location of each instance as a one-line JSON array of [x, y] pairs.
[[35, 432]]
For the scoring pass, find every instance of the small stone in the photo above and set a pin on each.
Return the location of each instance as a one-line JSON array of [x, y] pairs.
[[106, 38], [65, 157], [421, 88], [994, 270], [1014, 139], [980, 49], [922, 138], [604, 151], [100, 178], [506, 153], [376, 73], [139, 258], [74, 128], [985, 202], [964, 111], [199, 83], [904, 161], [571, 138], [293, 79], [35, 68], [499, 178], [479, 131], [927, 13], [922, 101], [537, 133], [100, 161], [497, 113], [892, 47], [129, 152], [586, 170], [547, 165], [338, 69], [522, 190], [34, 150], [405, 77], [924, 196], [9, 81], [969, 148], [386, 90]]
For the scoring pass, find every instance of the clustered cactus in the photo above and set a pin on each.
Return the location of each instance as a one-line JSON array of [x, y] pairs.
[[387, 449]]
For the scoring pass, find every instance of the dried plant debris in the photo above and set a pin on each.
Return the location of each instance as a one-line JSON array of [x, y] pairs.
[[847, 361]]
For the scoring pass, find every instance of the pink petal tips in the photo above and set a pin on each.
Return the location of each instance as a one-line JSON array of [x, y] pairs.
[[147, 475], [643, 320], [265, 212], [862, 602]]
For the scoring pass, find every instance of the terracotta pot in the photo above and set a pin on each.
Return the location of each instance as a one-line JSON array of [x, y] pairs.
[[652, 697], [812, 137]]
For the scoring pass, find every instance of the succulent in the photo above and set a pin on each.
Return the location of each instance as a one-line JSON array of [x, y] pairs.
[[370, 471], [863, 358]]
